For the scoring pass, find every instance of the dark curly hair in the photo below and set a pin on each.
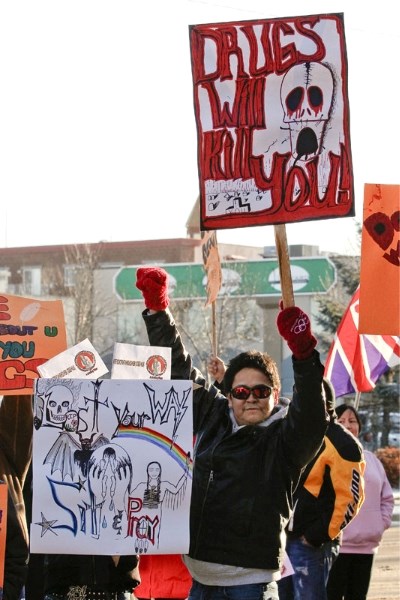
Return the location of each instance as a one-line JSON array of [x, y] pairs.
[[252, 359]]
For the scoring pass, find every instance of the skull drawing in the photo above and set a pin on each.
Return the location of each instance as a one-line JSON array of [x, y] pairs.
[[307, 98], [59, 400]]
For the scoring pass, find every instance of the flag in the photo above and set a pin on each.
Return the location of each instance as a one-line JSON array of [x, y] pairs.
[[356, 361]]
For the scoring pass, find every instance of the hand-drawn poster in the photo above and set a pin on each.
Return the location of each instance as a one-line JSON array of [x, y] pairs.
[[140, 362], [380, 261], [81, 361], [272, 115], [112, 465], [212, 265], [3, 531], [31, 332]]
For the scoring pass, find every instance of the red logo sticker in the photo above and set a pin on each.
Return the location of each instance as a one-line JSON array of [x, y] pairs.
[[85, 360], [156, 365]]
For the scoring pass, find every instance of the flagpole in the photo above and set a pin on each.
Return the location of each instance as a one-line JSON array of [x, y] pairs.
[[357, 400]]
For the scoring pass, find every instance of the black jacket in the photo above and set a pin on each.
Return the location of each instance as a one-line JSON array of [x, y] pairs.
[[97, 572], [16, 555], [243, 481], [331, 489]]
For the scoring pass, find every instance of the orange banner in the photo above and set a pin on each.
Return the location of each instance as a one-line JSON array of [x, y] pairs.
[[3, 531], [31, 332], [380, 261]]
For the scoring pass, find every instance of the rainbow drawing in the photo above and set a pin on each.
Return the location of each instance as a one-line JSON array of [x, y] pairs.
[[160, 440]]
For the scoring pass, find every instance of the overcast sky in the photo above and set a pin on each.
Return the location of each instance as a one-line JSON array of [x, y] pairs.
[[97, 129]]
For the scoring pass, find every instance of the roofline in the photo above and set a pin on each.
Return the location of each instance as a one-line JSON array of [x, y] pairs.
[[190, 242]]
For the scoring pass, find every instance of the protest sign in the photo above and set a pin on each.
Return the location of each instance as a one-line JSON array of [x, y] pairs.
[[78, 362], [113, 469], [380, 261], [140, 362], [212, 265], [31, 332], [272, 115]]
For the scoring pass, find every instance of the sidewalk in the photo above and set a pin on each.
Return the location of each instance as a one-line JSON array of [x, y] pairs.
[[385, 581]]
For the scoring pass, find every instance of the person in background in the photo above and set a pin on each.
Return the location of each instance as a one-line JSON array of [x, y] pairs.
[[16, 425], [15, 555], [34, 585], [86, 577], [350, 575], [249, 452], [72, 576], [329, 496], [163, 576]]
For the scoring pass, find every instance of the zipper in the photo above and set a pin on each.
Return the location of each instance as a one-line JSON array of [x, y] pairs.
[[209, 482]]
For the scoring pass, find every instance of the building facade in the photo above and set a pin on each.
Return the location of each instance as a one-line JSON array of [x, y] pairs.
[[96, 283]]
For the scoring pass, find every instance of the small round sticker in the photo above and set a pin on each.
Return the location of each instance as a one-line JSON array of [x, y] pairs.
[[85, 360], [156, 365]]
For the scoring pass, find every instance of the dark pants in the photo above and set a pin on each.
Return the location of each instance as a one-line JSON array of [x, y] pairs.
[[250, 591], [350, 576], [34, 586], [77, 593]]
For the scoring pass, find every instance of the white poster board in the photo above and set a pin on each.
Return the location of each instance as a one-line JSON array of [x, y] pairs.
[[112, 465], [140, 362], [78, 362]]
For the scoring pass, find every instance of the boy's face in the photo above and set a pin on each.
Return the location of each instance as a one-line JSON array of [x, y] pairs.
[[254, 409]]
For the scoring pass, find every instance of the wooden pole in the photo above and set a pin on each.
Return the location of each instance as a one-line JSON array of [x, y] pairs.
[[284, 265], [214, 329]]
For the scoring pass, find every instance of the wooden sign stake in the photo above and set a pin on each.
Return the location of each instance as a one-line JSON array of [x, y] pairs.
[[284, 265]]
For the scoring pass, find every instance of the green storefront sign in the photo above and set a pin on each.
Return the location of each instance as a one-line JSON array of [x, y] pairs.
[[256, 278]]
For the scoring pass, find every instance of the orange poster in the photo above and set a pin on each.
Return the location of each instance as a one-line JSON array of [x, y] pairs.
[[31, 332], [3, 531], [212, 265], [380, 261]]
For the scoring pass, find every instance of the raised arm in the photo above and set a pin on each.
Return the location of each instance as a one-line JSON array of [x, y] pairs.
[[307, 419], [162, 331]]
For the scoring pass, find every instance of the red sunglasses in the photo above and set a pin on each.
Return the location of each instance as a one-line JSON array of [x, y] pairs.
[[260, 392]]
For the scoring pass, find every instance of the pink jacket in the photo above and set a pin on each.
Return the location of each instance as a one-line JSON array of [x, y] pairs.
[[364, 533]]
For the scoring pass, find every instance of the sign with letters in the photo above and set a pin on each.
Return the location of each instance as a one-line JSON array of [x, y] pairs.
[[112, 466], [31, 332], [272, 115]]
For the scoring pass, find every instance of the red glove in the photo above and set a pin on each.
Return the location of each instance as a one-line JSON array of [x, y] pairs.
[[294, 326], [153, 283]]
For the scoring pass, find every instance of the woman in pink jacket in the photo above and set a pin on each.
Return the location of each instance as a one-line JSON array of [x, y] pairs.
[[351, 572]]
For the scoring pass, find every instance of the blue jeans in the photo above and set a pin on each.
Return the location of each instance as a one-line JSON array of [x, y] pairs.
[[311, 567], [250, 591]]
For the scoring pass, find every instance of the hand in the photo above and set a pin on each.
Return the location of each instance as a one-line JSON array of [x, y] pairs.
[[153, 283], [216, 368], [294, 326]]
